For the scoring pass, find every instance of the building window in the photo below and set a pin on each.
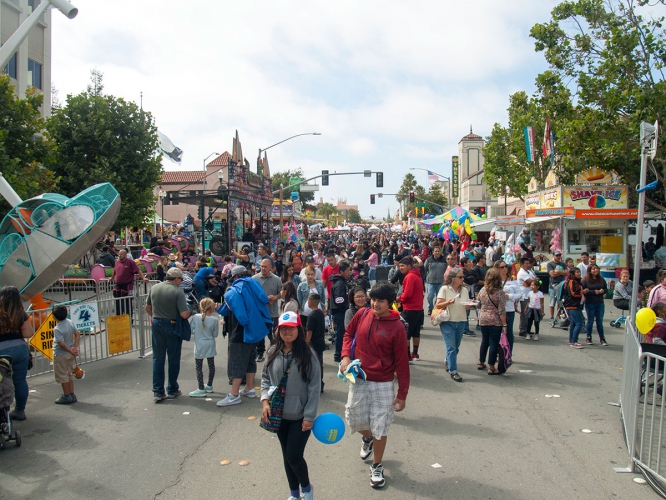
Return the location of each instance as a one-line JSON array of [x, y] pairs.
[[10, 67], [36, 69], [32, 4]]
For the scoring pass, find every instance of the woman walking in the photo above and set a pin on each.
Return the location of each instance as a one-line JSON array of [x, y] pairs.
[[451, 296], [305, 289], [15, 327], [573, 293], [372, 262], [492, 318], [513, 294], [594, 303], [358, 299], [288, 295], [291, 355]]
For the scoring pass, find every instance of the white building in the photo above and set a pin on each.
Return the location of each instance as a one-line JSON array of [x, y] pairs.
[[472, 191], [31, 64]]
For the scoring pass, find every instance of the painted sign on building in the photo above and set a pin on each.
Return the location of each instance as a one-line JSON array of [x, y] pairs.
[[601, 198], [454, 177]]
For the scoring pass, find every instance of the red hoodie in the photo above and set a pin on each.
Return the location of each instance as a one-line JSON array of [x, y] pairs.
[[412, 291], [381, 346]]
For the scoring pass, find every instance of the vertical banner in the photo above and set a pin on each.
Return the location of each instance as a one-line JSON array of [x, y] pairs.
[[548, 146], [454, 177], [529, 142]]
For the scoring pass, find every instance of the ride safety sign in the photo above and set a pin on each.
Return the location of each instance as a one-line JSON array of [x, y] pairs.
[[42, 340]]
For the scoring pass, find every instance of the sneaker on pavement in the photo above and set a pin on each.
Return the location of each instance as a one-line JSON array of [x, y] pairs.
[[446, 365], [536, 337], [208, 388], [528, 336], [469, 333], [64, 400], [158, 397], [522, 334], [308, 495], [199, 393], [74, 400], [576, 345], [248, 394], [260, 359], [366, 448], [456, 376], [229, 400], [377, 476], [588, 341], [17, 414], [292, 497], [604, 343], [416, 357], [175, 394], [552, 322]]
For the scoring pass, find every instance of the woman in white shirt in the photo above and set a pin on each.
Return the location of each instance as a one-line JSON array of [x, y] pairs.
[[514, 294], [309, 286]]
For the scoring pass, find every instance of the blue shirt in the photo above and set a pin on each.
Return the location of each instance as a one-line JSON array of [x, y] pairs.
[[203, 272]]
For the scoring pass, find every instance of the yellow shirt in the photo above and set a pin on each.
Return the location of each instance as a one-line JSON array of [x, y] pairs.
[[457, 311]]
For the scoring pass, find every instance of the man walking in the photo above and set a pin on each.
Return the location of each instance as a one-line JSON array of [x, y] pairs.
[[434, 266], [339, 303], [558, 272], [381, 347], [165, 303], [412, 304], [123, 276], [245, 308], [271, 285]]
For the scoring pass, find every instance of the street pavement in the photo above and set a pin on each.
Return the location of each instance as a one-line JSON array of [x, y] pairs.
[[495, 437]]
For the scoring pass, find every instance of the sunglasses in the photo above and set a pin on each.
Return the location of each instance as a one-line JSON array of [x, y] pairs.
[[502, 267]]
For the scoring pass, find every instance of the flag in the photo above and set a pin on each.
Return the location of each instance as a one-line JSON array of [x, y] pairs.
[[529, 142], [432, 177], [167, 147], [547, 147]]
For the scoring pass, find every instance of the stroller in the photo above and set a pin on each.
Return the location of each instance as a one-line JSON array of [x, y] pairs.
[[187, 285], [6, 399], [561, 315]]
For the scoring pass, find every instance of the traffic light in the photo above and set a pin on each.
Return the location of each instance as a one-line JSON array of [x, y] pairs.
[[380, 179], [480, 211], [200, 213], [372, 199], [411, 197], [324, 177]]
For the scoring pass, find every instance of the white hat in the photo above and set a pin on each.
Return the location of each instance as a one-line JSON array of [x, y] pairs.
[[290, 318]]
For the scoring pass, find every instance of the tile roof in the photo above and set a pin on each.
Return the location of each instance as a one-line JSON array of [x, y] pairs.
[[221, 161], [181, 177], [472, 137]]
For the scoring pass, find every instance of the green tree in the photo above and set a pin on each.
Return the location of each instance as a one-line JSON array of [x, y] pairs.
[[26, 151], [326, 210], [353, 216], [100, 138], [613, 57], [284, 179], [408, 186], [436, 201]]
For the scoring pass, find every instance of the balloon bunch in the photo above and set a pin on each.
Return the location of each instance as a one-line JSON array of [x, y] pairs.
[[509, 256], [556, 241]]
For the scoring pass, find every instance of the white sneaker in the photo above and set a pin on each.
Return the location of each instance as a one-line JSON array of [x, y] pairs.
[[366, 449], [377, 476], [248, 394], [528, 337], [230, 400], [536, 337], [308, 495]]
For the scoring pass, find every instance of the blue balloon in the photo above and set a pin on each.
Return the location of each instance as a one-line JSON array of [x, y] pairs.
[[328, 428]]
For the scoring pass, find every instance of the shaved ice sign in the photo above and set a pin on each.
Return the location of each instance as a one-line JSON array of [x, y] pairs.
[[603, 198]]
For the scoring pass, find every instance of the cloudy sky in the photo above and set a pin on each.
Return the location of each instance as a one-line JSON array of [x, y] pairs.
[[390, 85]]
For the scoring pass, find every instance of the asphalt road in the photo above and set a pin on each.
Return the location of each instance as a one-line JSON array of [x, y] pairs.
[[495, 437]]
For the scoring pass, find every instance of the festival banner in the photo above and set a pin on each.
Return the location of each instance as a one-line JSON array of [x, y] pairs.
[[529, 142]]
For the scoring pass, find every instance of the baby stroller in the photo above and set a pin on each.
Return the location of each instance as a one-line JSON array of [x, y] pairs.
[[561, 315], [187, 286], [7, 432]]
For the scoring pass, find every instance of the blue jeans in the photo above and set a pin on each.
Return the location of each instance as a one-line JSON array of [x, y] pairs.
[[452, 332], [490, 339], [595, 311], [20, 358], [433, 290], [200, 286], [339, 321], [510, 317], [372, 273], [165, 343], [576, 324]]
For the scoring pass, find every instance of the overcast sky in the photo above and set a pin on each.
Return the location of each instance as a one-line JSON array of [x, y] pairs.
[[390, 85]]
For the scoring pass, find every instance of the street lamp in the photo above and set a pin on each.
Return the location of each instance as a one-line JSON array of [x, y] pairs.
[[162, 196], [448, 201], [281, 186]]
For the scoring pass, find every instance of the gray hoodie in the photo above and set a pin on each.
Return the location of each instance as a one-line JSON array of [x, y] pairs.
[[301, 399], [434, 269]]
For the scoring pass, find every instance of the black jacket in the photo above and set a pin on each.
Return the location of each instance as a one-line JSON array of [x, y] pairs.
[[339, 293], [106, 259]]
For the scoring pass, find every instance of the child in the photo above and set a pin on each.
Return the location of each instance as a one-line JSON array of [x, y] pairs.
[[65, 349], [355, 270], [534, 310], [205, 329], [658, 333], [314, 331]]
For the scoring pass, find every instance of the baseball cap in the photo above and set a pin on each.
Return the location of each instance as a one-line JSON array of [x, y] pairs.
[[174, 273], [290, 318], [557, 252], [236, 270]]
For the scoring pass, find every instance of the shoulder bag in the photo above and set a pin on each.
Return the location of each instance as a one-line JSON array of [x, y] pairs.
[[277, 403]]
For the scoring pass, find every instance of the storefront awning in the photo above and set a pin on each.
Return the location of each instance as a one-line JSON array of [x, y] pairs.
[[534, 220], [484, 225]]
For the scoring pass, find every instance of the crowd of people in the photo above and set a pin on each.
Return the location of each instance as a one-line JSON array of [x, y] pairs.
[[327, 294]]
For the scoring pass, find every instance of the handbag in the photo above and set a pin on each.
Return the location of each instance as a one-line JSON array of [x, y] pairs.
[[183, 329], [504, 361], [439, 316], [277, 403]]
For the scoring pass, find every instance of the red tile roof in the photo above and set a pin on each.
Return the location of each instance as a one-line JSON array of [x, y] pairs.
[[221, 161], [181, 177], [472, 137]]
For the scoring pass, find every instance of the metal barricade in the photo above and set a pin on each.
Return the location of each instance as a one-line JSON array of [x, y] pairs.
[[650, 438], [630, 390]]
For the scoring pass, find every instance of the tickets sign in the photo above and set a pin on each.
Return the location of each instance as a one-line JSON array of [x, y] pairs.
[[42, 340], [85, 315]]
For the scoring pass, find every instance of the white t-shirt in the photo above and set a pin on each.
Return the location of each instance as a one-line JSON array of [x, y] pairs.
[[513, 290], [583, 269], [535, 299], [522, 277], [304, 278]]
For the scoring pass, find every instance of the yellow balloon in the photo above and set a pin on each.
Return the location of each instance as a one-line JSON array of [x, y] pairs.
[[454, 226], [645, 320]]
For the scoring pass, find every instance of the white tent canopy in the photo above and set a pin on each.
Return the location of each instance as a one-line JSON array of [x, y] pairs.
[[373, 228]]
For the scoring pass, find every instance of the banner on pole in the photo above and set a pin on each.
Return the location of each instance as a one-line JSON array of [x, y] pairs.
[[529, 142]]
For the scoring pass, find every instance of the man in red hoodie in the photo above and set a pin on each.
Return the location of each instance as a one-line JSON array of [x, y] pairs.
[[412, 303], [376, 337]]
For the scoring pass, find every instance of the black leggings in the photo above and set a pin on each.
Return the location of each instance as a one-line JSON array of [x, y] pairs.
[[293, 441], [211, 371], [531, 321]]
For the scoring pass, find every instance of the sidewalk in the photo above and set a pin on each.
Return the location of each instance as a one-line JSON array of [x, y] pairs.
[[495, 437]]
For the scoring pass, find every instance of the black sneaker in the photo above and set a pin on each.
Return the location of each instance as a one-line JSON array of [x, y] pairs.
[[377, 476], [260, 359], [17, 414], [588, 341], [157, 397], [469, 333], [174, 394], [74, 400], [604, 343], [455, 376], [64, 400], [366, 448], [336, 359]]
